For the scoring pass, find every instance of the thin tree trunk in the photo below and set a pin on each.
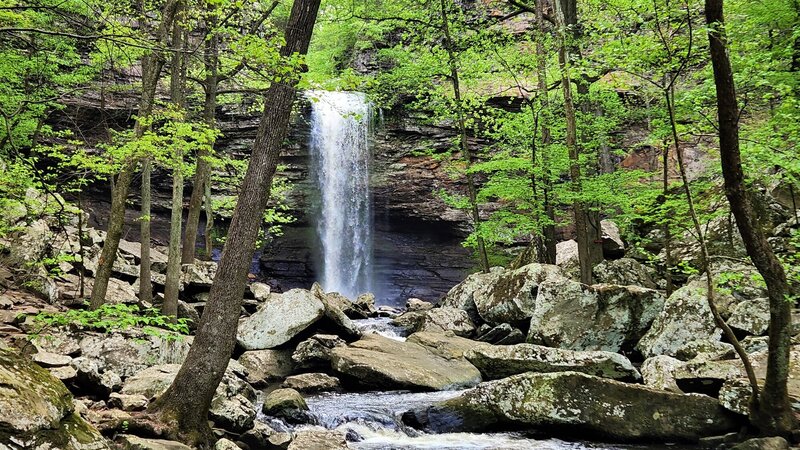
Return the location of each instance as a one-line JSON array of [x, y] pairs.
[[203, 172], [209, 211], [178, 94], [705, 257], [774, 414], [145, 281], [578, 207], [549, 230], [186, 402], [151, 70], [666, 227], [462, 128]]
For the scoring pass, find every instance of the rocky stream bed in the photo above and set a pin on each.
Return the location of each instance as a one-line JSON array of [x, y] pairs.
[[513, 358]]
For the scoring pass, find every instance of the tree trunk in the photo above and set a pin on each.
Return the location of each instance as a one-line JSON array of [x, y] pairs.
[[549, 230], [706, 259], [185, 404], [203, 171], [178, 94], [209, 211], [578, 207], [151, 71], [462, 128], [774, 415], [145, 280]]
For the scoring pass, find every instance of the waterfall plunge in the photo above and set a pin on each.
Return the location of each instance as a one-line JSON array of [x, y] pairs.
[[340, 124]]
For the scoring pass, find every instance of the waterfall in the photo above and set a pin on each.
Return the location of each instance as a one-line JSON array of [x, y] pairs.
[[340, 132]]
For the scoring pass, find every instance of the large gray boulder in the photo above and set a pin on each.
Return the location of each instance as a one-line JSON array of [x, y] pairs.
[[129, 353], [462, 295], [511, 297], [606, 317], [685, 317], [264, 366], [582, 403], [500, 361], [37, 411], [280, 318], [567, 258], [751, 316], [315, 352], [623, 271], [658, 372], [448, 319], [233, 405], [377, 361]]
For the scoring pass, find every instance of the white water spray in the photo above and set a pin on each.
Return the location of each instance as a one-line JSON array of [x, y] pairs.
[[340, 128]]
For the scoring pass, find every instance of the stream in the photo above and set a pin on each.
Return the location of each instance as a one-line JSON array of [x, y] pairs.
[[372, 420]]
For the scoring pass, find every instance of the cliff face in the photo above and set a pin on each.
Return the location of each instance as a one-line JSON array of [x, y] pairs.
[[417, 251]]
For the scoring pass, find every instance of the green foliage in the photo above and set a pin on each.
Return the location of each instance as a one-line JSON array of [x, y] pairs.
[[113, 317]]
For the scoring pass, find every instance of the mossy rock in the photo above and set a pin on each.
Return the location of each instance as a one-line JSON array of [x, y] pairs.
[[576, 404]]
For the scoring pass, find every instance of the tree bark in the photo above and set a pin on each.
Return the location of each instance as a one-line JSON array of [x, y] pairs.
[[145, 280], [466, 153], [578, 207], [549, 230], [774, 415], [151, 71], [203, 171], [178, 95], [186, 402]]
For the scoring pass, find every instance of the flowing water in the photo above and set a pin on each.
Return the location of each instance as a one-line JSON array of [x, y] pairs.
[[340, 134]]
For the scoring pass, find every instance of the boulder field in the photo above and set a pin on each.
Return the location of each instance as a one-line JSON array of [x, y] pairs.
[[532, 349]]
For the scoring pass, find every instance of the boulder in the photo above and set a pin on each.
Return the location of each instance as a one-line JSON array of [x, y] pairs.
[[131, 442], [503, 334], [623, 271], [734, 395], [93, 378], [47, 359], [311, 382], [606, 317], [279, 319], [232, 407], [365, 303], [129, 353], [200, 274], [225, 444], [685, 317], [765, 443], [316, 351], [30, 245], [751, 316], [415, 304], [446, 345], [511, 297], [337, 318], [446, 319], [262, 436], [318, 439], [500, 361], [377, 361], [37, 410], [573, 402], [286, 404], [264, 366], [260, 291], [659, 372], [461, 296], [128, 402], [567, 258], [133, 252], [700, 349], [613, 246]]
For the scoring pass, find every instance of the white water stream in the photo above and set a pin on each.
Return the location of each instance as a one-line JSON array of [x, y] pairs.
[[340, 133]]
